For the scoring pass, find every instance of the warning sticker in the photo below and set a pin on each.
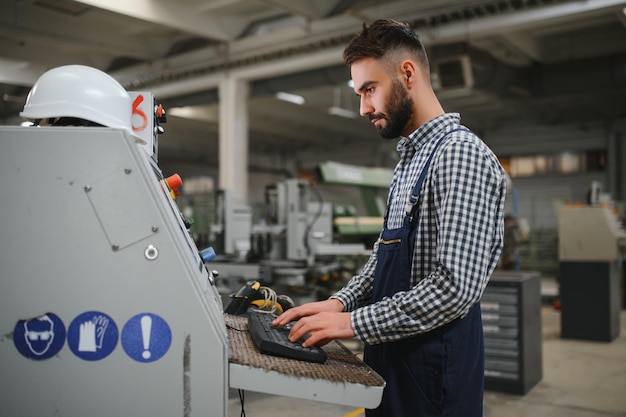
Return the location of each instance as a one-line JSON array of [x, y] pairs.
[[41, 337], [146, 337], [92, 336]]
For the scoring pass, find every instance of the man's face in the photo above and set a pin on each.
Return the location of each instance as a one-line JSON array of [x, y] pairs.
[[383, 98]]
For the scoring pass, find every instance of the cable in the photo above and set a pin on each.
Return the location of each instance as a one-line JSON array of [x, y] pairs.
[[241, 400], [269, 296], [355, 413], [316, 216], [228, 326], [270, 301]]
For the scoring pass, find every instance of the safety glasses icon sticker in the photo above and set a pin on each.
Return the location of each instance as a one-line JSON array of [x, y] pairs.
[[40, 337]]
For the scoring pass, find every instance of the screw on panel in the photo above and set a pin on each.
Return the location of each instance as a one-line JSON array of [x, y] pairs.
[[155, 229], [128, 170], [87, 188], [115, 248]]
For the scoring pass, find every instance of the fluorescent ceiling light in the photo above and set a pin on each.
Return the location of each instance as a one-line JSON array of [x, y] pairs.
[[292, 98], [338, 111], [208, 113]]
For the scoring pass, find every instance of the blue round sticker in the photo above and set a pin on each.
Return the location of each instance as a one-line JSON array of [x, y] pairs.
[[40, 337], [146, 337], [92, 336]]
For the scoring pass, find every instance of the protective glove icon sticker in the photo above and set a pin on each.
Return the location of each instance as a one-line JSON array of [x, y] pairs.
[[87, 337], [92, 335]]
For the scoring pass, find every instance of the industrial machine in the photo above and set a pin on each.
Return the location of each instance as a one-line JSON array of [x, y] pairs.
[[369, 181], [302, 242], [591, 252], [106, 304], [292, 248]]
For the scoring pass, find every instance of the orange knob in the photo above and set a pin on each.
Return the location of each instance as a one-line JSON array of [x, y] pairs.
[[174, 182]]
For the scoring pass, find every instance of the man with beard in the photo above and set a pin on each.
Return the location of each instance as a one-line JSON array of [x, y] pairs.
[[415, 304]]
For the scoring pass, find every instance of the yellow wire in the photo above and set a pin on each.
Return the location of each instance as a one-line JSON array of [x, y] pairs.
[[355, 413]]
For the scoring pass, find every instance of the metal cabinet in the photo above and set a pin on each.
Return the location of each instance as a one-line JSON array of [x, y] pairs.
[[590, 298], [511, 311]]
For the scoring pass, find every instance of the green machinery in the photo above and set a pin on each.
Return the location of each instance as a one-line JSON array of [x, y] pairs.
[[373, 184]]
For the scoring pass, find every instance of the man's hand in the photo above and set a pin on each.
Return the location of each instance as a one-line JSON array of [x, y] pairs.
[[323, 321]]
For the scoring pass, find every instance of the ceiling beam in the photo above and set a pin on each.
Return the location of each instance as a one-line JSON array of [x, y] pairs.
[[521, 20], [333, 30], [171, 14], [306, 8], [319, 59], [525, 44], [19, 72], [55, 41]]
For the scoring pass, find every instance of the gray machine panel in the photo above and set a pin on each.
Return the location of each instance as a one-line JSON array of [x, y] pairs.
[[86, 232]]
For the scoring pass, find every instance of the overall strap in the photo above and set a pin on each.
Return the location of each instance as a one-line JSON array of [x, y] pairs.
[[411, 204]]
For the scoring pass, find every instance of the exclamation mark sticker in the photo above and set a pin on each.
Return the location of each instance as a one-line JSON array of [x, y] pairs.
[[146, 337], [146, 329]]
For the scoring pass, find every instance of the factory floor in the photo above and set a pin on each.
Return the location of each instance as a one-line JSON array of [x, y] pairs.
[[580, 379]]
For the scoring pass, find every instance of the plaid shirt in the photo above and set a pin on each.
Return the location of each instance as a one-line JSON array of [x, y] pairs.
[[458, 240]]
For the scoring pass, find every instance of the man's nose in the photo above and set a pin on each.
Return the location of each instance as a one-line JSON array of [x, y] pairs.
[[365, 107]]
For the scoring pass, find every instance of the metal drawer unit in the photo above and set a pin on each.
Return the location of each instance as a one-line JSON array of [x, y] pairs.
[[511, 310]]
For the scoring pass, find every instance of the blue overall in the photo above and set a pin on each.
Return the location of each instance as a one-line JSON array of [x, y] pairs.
[[438, 373]]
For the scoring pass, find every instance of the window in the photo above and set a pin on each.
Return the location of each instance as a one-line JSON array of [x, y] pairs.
[[564, 163]]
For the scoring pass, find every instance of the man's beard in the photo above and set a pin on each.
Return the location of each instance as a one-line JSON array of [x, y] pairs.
[[398, 114]]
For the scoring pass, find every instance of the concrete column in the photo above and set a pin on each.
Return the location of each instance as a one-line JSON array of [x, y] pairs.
[[612, 161], [615, 155], [233, 138], [620, 137]]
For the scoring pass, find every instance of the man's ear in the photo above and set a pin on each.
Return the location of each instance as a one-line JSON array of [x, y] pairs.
[[408, 73]]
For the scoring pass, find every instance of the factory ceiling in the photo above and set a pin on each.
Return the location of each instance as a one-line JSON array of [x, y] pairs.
[[496, 62]]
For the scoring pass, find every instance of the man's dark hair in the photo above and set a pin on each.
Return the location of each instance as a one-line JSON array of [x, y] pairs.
[[383, 38]]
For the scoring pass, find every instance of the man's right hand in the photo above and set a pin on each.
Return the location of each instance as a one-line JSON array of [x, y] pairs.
[[323, 321], [331, 305]]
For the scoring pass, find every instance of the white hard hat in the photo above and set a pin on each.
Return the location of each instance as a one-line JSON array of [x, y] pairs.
[[82, 92]]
